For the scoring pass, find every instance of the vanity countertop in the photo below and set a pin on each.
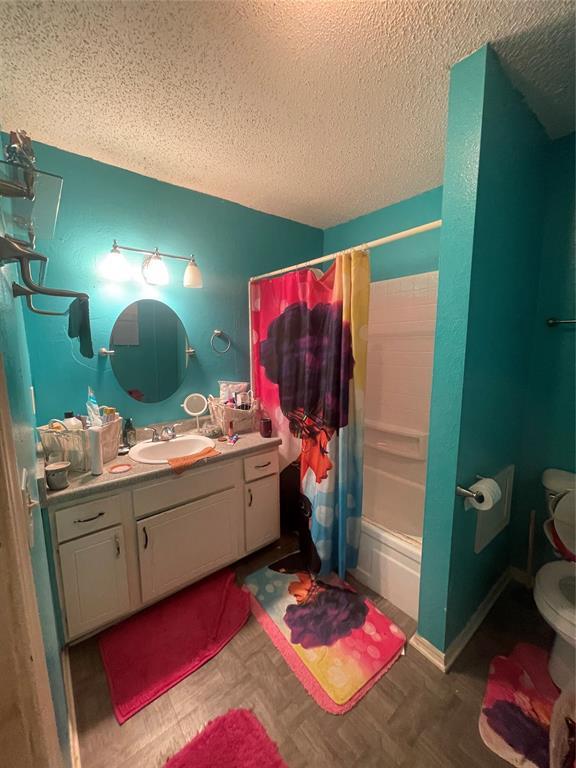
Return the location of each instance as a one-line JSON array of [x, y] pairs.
[[83, 485]]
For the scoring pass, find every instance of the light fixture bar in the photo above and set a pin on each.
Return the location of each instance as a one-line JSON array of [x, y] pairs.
[[152, 252]]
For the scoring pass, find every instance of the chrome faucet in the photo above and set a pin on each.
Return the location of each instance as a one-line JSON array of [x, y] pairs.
[[154, 431], [169, 432], [166, 433]]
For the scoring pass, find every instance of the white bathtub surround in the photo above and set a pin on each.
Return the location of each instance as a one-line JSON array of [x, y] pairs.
[[399, 377]]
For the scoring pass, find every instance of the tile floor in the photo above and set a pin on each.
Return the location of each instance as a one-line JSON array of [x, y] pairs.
[[415, 716]]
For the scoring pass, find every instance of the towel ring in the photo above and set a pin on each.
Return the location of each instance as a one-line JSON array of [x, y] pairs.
[[217, 334]]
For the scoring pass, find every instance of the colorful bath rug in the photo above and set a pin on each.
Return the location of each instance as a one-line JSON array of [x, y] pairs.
[[150, 652], [234, 740], [336, 641], [517, 707]]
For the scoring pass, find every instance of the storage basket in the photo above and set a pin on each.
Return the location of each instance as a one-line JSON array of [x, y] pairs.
[[73, 445], [111, 439], [222, 415]]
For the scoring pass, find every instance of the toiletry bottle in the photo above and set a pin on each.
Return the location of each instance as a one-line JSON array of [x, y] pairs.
[[96, 460], [230, 428], [94, 419], [265, 425], [70, 421], [129, 433]]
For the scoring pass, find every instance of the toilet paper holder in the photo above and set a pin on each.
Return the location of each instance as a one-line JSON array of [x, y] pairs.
[[478, 496]]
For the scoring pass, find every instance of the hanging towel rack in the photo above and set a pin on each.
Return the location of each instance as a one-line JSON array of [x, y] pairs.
[[219, 334], [13, 251]]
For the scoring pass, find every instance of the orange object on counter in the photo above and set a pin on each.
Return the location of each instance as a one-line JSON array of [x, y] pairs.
[[181, 463]]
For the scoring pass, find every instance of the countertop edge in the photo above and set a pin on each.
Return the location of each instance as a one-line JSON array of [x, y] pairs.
[[86, 485]]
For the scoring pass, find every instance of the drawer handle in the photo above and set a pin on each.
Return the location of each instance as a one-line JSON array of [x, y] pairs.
[[89, 519], [250, 499], [262, 466], [117, 544], [145, 537]]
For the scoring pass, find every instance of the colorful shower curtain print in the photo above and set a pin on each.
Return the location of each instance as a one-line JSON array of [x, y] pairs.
[[309, 334]]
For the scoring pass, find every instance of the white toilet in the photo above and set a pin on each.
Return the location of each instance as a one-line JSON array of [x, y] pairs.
[[555, 584]]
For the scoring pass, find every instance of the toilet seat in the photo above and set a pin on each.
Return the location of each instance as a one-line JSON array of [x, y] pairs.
[[555, 596]]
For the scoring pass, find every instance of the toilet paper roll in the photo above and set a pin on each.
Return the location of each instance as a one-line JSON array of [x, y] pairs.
[[491, 492]]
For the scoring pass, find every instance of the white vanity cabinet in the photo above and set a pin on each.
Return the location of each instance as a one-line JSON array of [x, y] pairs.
[[182, 544], [94, 580], [119, 552], [262, 521]]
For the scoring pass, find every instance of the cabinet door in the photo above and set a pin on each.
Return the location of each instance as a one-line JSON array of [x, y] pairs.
[[181, 545], [262, 507], [94, 580]]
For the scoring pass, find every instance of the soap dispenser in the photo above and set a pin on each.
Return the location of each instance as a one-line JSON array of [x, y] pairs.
[[129, 433]]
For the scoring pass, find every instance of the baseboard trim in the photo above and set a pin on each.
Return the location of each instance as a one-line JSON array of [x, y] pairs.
[[429, 651], [443, 660], [71, 707]]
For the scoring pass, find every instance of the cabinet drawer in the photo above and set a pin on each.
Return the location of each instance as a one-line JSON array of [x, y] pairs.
[[178, 490], [80, 519], [260, 465]]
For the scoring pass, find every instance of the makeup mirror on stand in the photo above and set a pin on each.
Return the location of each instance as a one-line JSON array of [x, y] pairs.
[[195, 405]]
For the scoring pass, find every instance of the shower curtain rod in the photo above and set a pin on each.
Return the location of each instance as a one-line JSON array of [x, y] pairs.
[[372, 244]]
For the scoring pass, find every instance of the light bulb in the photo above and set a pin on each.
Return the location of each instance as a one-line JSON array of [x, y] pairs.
[[114, 266], [154, 270], [192, 275]]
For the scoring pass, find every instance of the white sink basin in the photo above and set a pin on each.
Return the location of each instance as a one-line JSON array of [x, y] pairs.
[[148, 452]]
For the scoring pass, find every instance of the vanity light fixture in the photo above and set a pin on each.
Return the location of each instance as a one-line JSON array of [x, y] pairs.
[[154, 271], [192, 275], [114, 265]]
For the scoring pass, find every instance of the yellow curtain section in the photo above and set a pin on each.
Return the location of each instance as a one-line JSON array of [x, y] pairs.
[[352, 288]]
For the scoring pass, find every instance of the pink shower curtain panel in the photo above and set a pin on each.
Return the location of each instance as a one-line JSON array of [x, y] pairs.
[[308, 367]]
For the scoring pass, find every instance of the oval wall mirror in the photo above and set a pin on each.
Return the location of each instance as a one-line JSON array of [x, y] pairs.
[[149, 344]]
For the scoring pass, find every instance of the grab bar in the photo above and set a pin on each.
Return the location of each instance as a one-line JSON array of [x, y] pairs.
[[19, 290], [10, 251]]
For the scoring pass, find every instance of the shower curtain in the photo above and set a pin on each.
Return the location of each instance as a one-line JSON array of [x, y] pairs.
[[309, 335]]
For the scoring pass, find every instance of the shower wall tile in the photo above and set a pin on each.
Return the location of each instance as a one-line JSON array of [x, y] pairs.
[[399, 378]]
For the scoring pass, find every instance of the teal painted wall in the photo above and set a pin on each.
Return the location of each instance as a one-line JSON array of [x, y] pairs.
[[489, 266], [231, 243], [550, 416], [17, 369], [404, 257]]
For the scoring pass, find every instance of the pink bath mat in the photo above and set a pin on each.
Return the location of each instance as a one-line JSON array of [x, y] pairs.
[[336, 641], [150, 652], [234, 740], [517, 707]]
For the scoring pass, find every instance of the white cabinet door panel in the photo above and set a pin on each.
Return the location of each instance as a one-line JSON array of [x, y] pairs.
[[180, 545], [94, 580], [262, 510]]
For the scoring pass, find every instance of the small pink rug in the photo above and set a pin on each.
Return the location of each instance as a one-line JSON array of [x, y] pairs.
[[150, 652], [234, 740], [517, 707], [337, 643]]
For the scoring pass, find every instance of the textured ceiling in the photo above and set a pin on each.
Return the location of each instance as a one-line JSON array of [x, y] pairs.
[[316, 111]]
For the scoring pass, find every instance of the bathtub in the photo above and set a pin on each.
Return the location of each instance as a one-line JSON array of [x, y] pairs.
[[389, 563]]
